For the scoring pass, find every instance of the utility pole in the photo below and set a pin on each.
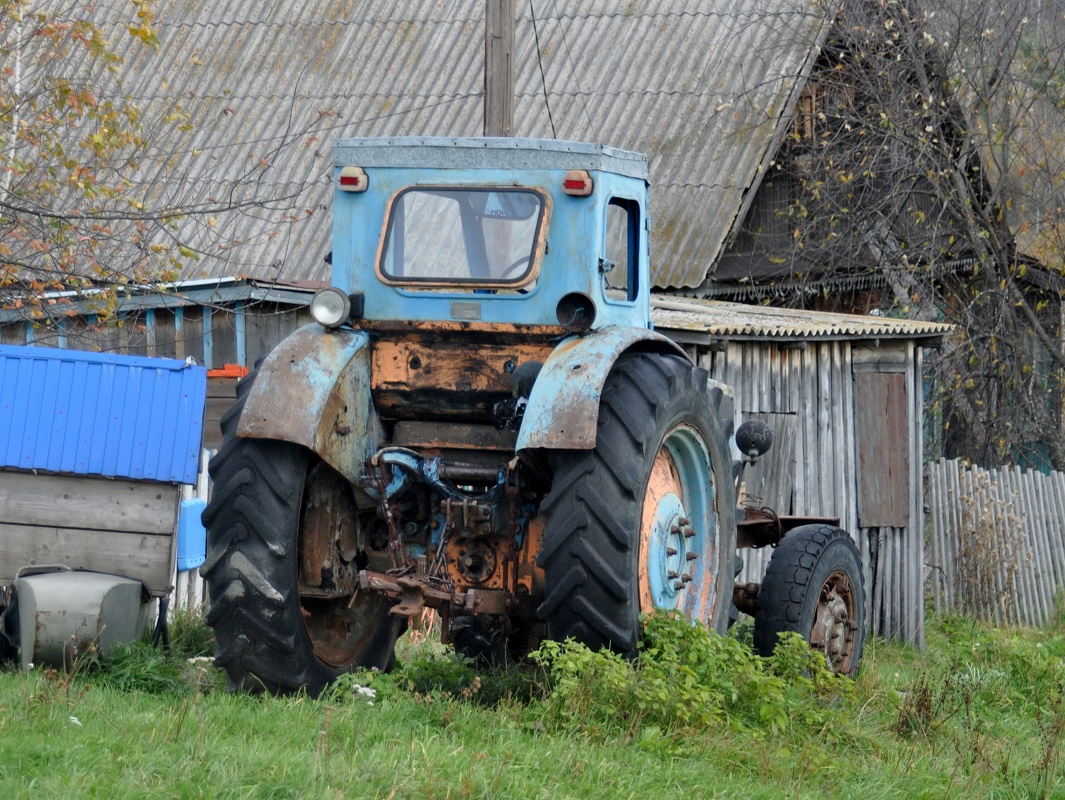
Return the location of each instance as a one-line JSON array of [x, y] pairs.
[[498, 67]]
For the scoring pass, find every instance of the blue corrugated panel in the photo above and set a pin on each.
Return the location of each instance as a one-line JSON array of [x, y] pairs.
[[100, 414]]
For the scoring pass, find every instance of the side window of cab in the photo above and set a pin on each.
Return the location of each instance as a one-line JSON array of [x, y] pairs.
[[620, 265]]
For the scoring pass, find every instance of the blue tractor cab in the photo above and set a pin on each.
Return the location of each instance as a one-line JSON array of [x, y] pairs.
[[495, 231]]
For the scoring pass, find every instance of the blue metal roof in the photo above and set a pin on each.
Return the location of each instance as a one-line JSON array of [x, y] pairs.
[[100, 414]]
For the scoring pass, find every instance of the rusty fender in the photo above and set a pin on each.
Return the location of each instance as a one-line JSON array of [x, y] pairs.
[[563, 408], [314, 390]]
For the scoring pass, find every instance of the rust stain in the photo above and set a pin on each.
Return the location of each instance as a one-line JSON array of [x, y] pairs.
[[530, 576], [661, 483], [414, 365], [499, 331]]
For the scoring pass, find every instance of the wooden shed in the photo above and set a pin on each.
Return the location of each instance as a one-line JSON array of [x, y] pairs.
[[841, 392], [94, 448], [843, 396]]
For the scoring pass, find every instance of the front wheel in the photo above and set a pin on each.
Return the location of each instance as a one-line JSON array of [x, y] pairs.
[[814, 586], [646, 520], [274, 509]]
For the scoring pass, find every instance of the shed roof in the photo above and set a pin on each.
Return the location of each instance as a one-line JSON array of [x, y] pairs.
[[100, 414], [713, 319], [704, 87]]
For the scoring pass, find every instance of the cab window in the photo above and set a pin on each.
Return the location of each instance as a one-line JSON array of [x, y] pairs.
[[474, 236], [620, 265]]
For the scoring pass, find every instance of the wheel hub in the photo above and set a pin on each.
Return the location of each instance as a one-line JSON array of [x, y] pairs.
[[834, 630], [677, 529], [340, 620], [667, 553]]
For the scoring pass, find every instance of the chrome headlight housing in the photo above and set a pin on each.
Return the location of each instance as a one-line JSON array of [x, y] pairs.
[[330, 307]]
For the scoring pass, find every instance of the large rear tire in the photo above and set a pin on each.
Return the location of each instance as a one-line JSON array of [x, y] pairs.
[[814, 586], [646, 520], [269, 638]]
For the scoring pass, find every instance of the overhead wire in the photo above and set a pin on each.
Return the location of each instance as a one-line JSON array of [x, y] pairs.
[[573, 71], [540, 61]]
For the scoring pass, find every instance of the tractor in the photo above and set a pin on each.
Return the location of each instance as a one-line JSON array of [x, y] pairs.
[[483, 421]]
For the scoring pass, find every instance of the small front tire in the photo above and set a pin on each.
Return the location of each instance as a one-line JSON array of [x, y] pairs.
[[814, 586]]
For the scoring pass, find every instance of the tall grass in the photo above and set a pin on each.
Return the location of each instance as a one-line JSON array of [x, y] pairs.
[[979, 714]]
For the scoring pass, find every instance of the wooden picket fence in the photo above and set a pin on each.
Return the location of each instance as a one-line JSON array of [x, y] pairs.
[[997, 544]]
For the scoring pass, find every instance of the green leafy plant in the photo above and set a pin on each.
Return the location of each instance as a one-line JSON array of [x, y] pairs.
[[687, 678]]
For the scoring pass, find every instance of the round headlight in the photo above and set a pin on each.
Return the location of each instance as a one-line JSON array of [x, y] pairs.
[[330, 308]]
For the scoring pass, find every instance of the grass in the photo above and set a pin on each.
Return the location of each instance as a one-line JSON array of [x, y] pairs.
[[978, 714]]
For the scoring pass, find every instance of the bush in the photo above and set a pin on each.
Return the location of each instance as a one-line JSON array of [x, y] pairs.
[[685, 678]]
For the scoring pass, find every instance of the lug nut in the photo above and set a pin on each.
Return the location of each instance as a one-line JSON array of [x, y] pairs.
[[411, 528], [684, 521], [689, 532], [691, 556], [671, 575], [674, 529], [678, 585], [686, 577], [671, 551]]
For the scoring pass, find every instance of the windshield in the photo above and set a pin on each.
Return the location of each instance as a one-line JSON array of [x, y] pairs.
[[478, 236]]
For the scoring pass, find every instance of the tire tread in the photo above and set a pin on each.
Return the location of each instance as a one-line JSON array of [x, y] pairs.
[[592, 509]]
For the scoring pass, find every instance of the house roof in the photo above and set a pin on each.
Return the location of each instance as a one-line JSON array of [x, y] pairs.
[[703, 87], [712, 319]]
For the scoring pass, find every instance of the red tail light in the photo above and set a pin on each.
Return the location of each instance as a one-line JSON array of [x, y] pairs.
[[577, 183], [352, 179]]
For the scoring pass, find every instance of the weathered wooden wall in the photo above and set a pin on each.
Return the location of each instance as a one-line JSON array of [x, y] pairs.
[[213, 336], [221, 394], [846, 418], [115, 526], [997, 544]]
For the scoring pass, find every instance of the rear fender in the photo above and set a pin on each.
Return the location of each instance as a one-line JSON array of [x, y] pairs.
[[314, 390], [563, 408]]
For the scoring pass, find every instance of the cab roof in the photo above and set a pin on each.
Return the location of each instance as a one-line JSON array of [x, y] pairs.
[[425, 152]]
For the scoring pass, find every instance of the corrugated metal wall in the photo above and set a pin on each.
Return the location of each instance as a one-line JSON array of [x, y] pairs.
[[806, 391], [100, 414]]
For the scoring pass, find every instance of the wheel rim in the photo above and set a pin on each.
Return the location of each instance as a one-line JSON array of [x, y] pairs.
[[340, 621], [678, 561], [834, 626]]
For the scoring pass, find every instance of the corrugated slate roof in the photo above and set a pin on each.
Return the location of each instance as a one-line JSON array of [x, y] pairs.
[[100, 414], [740, 321], [701, 86]]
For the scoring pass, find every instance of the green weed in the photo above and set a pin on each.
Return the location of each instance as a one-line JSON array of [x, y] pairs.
[[686, 679]]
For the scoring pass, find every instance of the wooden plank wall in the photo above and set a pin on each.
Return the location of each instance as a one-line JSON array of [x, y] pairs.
[[997, 544], [221, 394], [114, 526], [813, 384], [213, 336]]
